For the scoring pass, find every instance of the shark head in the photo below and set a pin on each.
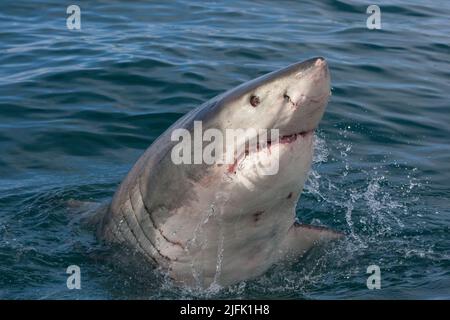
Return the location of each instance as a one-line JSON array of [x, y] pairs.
[[291, 100]]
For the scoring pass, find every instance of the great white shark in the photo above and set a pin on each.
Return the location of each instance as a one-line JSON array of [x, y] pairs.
[[218, 224]]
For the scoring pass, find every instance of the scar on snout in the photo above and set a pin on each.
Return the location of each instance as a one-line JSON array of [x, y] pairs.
[[257, 215], [289, 195]]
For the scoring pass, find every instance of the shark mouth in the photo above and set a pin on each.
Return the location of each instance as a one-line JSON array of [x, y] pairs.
[[292, 137], [286, 139]]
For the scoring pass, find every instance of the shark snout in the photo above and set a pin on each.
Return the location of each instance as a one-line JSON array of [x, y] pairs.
[[320, 62], [303, 68], [318, 75], [309, 83], [321, 72], [306, 95]]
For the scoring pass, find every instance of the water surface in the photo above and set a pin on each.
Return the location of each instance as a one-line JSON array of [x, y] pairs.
[[77, 108]]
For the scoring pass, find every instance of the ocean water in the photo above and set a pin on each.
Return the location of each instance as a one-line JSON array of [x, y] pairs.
[[77, 108]]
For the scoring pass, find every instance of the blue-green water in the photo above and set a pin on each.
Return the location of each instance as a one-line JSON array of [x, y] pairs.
[[77, 108]]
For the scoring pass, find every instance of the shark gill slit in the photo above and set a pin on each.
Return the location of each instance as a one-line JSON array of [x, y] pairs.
[[154, 223]]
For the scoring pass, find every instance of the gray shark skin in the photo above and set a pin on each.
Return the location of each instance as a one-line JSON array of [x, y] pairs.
[[218, 224]]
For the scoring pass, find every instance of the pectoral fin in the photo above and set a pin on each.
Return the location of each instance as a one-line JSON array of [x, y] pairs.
[[302, 237]]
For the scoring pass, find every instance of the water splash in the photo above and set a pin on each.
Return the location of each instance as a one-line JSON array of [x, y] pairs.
[[370, 204]]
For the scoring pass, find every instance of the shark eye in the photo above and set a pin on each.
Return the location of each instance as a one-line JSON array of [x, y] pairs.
[[254, 100]]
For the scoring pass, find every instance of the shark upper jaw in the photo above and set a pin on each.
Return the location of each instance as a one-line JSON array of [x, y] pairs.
[[286, 139], [291, 137]]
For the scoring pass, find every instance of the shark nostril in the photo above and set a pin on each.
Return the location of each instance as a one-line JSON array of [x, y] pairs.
[[254, 101]]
